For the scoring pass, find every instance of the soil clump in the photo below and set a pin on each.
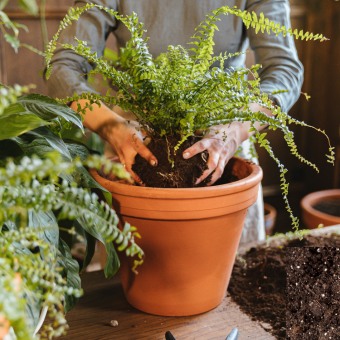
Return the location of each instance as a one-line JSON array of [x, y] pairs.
[[291, 288], [172, 170]]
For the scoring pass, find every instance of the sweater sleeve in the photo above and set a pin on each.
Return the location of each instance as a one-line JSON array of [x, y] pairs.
[[69, 70], [281, 68]]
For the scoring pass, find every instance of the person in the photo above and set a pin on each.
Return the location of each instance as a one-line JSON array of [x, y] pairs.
[[173, 23]]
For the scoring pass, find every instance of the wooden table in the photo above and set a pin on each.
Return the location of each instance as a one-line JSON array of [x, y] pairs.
[[104, 301]]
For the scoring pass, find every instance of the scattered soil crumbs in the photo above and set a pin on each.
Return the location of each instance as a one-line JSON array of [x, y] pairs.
[[259, 285], [313, 293]]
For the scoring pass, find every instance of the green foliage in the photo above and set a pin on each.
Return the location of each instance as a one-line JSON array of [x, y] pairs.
[[182, 90], [11, 29], [28, 276], [45, 189]]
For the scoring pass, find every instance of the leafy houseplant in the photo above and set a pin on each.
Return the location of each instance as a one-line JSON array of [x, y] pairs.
[[45, 190], [46, 204], [173, 96], [183, 91]]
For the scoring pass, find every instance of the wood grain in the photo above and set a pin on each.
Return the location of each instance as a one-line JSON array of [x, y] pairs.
[[104, 301]]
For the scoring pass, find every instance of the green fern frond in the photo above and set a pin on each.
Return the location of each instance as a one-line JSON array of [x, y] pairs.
[[27, 276], [72, 15], [262, 24], [24, 187], [284, 185]]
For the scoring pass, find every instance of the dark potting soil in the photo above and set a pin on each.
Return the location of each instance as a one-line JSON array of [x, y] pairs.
[[330, 207], [185, 172], [292, 289]]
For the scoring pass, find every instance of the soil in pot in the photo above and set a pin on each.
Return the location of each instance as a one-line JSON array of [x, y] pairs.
[[303, 305], [329, 206], [185, 171]]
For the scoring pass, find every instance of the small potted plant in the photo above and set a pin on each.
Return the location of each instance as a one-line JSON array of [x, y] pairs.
[[321, 208], [168, 95]]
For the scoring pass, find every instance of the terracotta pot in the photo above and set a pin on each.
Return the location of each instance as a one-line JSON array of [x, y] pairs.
[[190, 237], [313, 217], [270, 214]]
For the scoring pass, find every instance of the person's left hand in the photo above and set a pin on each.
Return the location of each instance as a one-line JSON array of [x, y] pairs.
[[221, 142]]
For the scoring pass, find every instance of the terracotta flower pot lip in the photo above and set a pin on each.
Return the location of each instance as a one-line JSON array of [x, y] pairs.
[[311, 199], [251, 180]]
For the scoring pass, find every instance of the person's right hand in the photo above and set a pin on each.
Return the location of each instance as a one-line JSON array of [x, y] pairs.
[[125, 137]]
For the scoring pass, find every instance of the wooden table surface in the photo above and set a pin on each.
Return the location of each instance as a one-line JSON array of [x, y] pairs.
[[104, 301]]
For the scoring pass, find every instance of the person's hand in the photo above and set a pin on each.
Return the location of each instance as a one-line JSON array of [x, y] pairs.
[[127, 139], [221, 143]]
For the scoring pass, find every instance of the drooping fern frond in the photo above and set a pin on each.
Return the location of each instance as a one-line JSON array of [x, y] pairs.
[[262, 24], [34, 184], [284, 185], [72, 15]]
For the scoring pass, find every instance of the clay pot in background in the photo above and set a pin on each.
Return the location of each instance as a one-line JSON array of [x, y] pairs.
[[321, 207], [270, 214], [190, 237]]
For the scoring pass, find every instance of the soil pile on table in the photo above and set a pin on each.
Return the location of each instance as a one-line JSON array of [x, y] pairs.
[[313, 293], [259, 284]]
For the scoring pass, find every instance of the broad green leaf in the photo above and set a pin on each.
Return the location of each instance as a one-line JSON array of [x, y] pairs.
[[90, 248], [47, 108], [15, 121], [29, 6], [38, 146], [112, 263], [54, 141], [3, 4], [41, 146], [47, 223], [7, 22], [13, 41], [82, 177], [78, 150], [71, 271]]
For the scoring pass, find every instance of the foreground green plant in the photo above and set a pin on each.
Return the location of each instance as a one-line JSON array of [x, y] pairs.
[[31, 281], [183, 91], [11, 29], [45, 195]]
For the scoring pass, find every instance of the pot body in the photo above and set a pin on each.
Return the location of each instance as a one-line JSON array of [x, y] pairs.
[[270, 214], [190, 237], [313, 217]]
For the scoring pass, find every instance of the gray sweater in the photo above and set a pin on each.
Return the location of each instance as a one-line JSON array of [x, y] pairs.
[[172, 22]]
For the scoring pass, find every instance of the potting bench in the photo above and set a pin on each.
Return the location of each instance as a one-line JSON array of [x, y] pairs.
[[104, 314]]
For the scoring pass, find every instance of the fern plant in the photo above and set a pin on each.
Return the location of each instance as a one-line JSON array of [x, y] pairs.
[[183, 91], [45, 189]]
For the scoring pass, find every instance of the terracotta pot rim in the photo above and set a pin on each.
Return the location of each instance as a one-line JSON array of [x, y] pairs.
[[311, 199], [241, 185]]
